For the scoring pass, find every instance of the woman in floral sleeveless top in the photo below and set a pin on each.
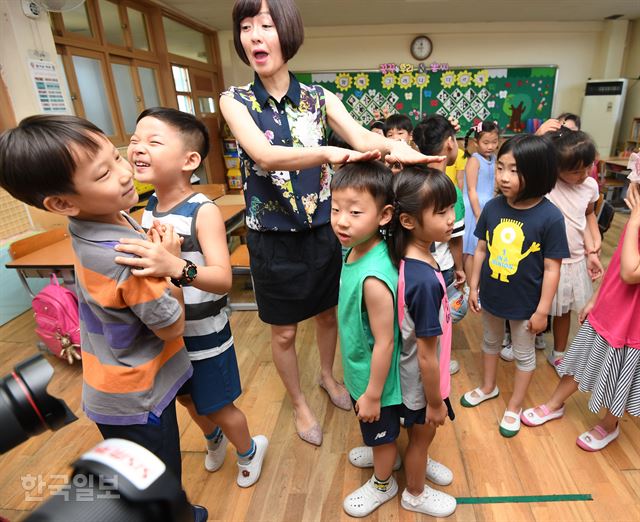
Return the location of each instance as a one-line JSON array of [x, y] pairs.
[[281, 127]]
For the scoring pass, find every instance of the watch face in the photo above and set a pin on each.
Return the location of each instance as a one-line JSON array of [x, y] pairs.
[[191, 271], [421, 47]]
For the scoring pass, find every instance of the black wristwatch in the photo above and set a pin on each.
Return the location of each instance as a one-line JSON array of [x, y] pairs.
[[189, 273]]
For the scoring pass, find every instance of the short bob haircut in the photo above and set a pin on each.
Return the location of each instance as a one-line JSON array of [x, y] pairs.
[[194, 133], [536, 163], [286, 18], [575, 149], [373, 177], [39, 157], [398, 121]]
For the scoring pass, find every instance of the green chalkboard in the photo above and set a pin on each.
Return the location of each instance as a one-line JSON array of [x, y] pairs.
[[518, 98]]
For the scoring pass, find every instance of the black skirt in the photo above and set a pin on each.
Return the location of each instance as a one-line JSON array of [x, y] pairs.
[[296, 275]]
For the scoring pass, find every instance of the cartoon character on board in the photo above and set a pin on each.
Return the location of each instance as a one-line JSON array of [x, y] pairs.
[[505, 253]]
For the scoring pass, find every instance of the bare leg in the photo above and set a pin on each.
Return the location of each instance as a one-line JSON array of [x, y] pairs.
[[566, 387], [384, 456], [283, 350], [207, 426], [231, 420], [608, 422], [234, 425], [327, 336], [415, 459], [561, 326]]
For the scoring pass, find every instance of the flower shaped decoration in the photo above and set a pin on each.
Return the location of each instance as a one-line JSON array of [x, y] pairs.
[[464, 78], [481, 78], [343, 81], [388, 81], [448, 79], [405, 80], [421, 80], [361, 81]]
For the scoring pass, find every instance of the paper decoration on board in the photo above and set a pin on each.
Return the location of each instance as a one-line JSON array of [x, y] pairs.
[[519, 98]]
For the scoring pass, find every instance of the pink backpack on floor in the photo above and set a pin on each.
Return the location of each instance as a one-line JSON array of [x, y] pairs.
[[55, 309]]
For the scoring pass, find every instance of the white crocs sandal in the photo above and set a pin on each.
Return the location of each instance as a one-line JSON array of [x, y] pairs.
[[430, 502], [367, 498], [438, 473], [469, 401], [362, 457], [589, 443]]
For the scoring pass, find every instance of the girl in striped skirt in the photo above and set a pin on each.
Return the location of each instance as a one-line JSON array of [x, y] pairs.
[[604, 357]]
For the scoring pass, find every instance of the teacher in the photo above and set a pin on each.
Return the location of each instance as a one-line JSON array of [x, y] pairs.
[[281, 127]]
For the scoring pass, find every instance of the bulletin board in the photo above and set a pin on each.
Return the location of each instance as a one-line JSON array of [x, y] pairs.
[[518, 98]]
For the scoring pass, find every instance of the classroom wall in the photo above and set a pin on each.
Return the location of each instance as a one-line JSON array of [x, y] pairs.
[[631, 70], [22, 39], [580, 49]]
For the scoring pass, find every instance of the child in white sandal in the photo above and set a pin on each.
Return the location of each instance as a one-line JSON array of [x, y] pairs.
[[424, 213], [604, 357], [524, 234], [369, 337]]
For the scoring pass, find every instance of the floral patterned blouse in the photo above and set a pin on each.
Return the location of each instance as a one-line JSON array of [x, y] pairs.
[[286, 200]]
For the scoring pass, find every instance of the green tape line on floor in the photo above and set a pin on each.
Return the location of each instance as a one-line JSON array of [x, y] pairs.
[[523, 499]]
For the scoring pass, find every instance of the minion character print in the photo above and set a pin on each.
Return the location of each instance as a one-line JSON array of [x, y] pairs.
[[505, 252]]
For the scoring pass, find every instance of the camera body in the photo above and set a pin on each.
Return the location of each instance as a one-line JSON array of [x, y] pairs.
[[126, 482]]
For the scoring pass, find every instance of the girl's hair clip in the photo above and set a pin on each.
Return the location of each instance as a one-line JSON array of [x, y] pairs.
[[478, 127], [634, 167]]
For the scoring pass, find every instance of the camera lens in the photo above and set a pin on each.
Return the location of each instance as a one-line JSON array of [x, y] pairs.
[[26, 409]]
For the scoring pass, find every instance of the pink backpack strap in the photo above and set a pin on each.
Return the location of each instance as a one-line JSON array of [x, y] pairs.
[[401, 293]]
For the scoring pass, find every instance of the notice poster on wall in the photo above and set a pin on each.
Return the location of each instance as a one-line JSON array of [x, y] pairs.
[[48, 88]]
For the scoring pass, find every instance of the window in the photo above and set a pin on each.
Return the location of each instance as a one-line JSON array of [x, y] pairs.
[[127, 97], [93, 94], [76, 21], [113, 26], [183, 88], [138, 29], [184, 41], [149, 85]]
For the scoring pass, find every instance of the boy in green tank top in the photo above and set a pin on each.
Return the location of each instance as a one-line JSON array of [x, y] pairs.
[[367, 320]]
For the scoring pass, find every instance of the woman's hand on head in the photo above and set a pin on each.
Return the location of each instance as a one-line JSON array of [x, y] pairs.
[[551, 125], [401, 152], [340, 155]]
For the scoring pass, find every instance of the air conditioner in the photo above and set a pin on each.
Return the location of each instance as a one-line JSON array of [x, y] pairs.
[[602, 111]]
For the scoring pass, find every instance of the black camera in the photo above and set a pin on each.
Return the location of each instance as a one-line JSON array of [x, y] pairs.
[[115, 481], [26, 409]]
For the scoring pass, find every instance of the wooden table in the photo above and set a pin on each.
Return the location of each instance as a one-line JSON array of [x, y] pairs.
[[59, 257]]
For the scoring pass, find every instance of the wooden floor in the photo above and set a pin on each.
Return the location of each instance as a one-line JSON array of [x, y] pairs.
[[301, 482]]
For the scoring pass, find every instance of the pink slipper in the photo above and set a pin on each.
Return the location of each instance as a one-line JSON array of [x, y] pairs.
[[342, 401], [531, 418], [589, 443]]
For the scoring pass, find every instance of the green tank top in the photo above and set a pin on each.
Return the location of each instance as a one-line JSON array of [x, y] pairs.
[[356, 339]]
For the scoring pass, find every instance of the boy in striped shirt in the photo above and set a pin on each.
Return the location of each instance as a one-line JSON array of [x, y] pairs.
[[165, 149], [133, 356]]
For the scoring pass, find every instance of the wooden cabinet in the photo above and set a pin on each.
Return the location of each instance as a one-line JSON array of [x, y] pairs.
[[633, 142]]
